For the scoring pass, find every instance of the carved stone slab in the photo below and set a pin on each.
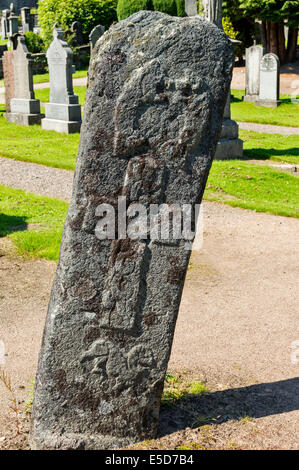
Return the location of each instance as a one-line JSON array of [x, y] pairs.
[[152, 118]]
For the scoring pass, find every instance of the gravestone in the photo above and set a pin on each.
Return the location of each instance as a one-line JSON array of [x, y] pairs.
[[254, 56], [269, 81], [152, 118], [76, 29], [191, 7], [5, 24], [63, 112], [9, 78], [13, 29], [213, 11], [24, 108], [95, 34], [229, 145], [27, 20]]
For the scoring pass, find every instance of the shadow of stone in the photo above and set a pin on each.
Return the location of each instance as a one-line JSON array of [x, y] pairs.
[[255, 401], [11, 223], [265, 154]]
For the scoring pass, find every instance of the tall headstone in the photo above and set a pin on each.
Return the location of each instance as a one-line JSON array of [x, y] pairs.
[[63, 112], [5, 24], [213, 11], [269, 81], [27, 20], [24, 108], [254, 56], [95, 34], [9, 77], [151, 123]]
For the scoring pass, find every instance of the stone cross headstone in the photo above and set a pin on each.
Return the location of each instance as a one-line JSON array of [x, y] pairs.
[[95, 34], [254, 56], [63, 112], [24, 108], [269, 81], [9, 77], [152, 119], [76, 29], [5, 24]]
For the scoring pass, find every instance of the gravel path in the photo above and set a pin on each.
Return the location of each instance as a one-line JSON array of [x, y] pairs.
[[268, 128], [238, 319], [39, 179]]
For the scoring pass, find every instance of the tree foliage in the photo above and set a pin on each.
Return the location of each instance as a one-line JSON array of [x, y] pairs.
[[89, 12]]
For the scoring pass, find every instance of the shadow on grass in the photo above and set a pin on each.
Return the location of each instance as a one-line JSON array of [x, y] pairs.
[[265, 154], [11, 223], [254, 401]]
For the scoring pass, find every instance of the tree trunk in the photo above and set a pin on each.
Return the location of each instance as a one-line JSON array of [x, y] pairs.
[[292, 44], [268, 36], [264, 35], [273, 47], [281, 43]]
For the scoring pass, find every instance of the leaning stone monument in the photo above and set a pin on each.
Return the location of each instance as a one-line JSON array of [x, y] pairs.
[[152, 118], [24, 108], [63, 112], [269, 81], [254, 56]]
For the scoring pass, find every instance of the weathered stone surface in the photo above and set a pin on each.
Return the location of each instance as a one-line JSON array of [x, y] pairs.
[[152, 119], [63, 101], [254, 56], [269, 81]]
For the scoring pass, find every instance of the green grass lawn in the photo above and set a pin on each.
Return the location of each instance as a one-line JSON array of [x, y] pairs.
[[260, 188], [275, 147], [44, 78], [33, 144], [287, 114], [33, 223], [43, 94]]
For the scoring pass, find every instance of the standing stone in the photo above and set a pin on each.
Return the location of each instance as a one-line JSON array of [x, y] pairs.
[[9, 78], [269, 81], [63, 113], [254, 56], [95, 34], [24, 108], [152, 118]]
